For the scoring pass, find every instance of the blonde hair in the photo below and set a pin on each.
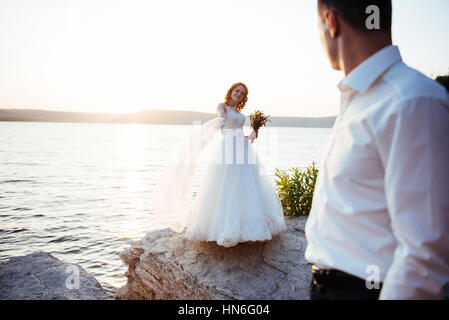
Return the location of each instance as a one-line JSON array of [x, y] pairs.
[[243, 102]]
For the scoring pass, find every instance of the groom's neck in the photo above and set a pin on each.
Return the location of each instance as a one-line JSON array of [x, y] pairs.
[[356, 47]]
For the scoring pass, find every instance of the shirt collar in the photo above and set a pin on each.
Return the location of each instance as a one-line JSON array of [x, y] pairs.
[[363, 76]]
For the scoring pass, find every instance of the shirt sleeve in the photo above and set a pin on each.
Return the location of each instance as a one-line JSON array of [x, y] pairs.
[[414, 149], [221, 114]]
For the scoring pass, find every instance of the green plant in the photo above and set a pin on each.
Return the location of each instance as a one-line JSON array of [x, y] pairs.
[[296, 189]]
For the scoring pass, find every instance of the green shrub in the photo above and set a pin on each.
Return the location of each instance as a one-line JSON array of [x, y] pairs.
[[296, 189], [444, 80]]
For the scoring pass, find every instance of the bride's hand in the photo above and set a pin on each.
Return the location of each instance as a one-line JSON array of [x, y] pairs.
[[250, 138]]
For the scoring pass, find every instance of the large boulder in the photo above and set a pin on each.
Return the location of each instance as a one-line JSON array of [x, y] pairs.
[[165, 265], [40, 276]]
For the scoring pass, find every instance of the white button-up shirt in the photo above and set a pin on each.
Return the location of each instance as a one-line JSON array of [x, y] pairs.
[[381, 201]]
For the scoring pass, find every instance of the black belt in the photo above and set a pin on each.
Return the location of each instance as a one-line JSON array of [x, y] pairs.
[[337, 279]]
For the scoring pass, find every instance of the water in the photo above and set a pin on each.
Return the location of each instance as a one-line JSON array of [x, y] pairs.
[[81, 191]]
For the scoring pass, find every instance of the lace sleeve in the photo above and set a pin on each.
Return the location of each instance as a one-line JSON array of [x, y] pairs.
[[221, 114]]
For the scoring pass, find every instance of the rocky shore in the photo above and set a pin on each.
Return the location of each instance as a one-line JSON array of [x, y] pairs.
[[165, 265], [40, 276]]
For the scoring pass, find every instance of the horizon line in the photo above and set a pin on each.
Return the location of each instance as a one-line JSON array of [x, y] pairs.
[[127, 113]]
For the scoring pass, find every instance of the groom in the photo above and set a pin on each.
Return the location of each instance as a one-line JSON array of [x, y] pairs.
[[379, 224]]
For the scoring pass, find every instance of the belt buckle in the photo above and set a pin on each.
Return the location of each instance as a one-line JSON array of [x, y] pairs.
[[318, 270], [317, 275], [315, 269]]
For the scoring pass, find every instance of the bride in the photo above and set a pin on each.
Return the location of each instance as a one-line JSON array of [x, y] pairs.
[[235, 202]]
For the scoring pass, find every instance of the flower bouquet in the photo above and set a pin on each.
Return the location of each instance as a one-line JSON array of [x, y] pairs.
[[258, 119]]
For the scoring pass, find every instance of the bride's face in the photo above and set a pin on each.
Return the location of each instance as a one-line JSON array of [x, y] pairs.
[[238, 94]]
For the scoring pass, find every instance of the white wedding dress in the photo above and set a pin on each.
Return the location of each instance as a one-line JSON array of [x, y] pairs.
[[235, 202]]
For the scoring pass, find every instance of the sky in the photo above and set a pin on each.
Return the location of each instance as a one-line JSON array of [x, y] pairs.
[[125, 56]]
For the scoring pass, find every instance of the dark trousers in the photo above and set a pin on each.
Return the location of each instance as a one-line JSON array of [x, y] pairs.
[[338, 285]]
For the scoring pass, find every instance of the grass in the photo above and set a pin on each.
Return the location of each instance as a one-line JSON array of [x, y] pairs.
[[444, 80]]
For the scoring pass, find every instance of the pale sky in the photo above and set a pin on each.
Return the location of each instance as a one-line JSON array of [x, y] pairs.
[[126, 56]]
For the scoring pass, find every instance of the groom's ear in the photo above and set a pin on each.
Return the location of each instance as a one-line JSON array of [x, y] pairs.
[[331, 20]]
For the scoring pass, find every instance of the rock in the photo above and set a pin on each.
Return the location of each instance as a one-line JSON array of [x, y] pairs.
[[40, 276], [165, 265], [446, 291]]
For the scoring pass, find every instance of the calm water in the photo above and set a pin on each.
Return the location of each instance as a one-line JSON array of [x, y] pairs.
[[81, 191]]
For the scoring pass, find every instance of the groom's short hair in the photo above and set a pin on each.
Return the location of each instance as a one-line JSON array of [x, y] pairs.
[[353, 12]]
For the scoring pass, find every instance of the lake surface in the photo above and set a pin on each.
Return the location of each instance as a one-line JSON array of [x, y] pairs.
[[82, 191]]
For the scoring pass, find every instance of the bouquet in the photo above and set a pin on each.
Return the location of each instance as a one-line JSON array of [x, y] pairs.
[[258, 119]]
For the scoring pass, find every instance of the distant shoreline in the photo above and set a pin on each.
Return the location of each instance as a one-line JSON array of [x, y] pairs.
[[161, 117]]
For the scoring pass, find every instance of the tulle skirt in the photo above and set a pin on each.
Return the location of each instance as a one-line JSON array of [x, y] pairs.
[[235, 202]]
